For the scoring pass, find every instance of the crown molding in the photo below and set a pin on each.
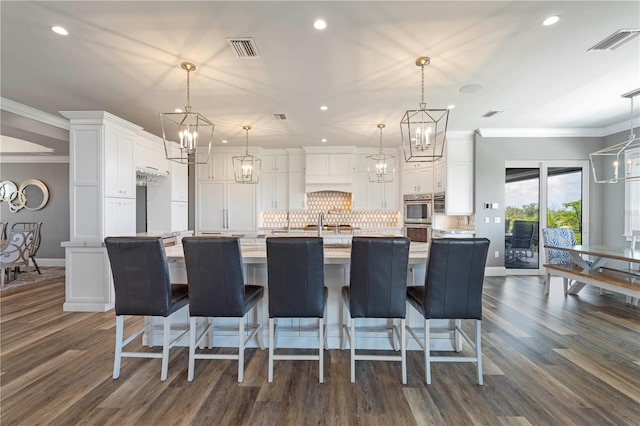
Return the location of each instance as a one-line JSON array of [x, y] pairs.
[[32, 113], [42, 159], [541, 133]]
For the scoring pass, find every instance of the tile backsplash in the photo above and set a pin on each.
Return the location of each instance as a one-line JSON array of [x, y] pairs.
[[336, 207]]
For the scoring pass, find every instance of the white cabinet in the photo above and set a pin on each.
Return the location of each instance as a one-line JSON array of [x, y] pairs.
[[417, 179], [118, 214], [275, 182], [221, 203], [360, 194], [119, 166], [458, 176], [179, 216], [150, 154], [440, 176], [179, 182], [383, 196], [297, 194], [328, 168]]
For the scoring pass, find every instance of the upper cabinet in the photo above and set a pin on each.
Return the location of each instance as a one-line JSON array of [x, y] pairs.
[[458, 176], [150, 154], [328, 165], [119, 167], [219, 167], [297, 194], [417, 178], [274, 182]]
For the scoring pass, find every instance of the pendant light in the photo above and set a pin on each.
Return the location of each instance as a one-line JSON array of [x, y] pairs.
[[424, 130], [246, 168], [381, 167], [187, 135], [620, 162]]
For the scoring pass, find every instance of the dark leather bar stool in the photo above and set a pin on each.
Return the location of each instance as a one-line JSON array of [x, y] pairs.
[[217, 290], [452, 290], [142, 287], [377, 289], [296, 290]]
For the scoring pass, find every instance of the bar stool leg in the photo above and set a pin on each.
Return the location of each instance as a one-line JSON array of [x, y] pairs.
[[427, 353], [118, 354], [193, 331], [240, 349], [403, 349], [352, 344], [271, 344], [165, 348], [321, 350]]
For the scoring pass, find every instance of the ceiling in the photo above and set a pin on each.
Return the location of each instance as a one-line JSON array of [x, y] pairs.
[[124, 57]]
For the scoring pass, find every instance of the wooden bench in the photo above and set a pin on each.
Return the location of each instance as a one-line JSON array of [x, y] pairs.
[[609, 279]]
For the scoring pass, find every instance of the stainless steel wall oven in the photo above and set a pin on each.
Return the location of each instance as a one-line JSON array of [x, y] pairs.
[[417, 208]]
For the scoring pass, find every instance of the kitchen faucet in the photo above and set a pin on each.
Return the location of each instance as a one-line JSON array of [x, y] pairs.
[[320, 223]]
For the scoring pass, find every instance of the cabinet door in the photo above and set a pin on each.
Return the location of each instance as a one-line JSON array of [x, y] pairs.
[[297, 196], [127, 217], [376, 196], [459, 199], [359, 163], [390, 196], [179, 182], [360, 195], [111, 164], [241, 206], [268, 187], [296, 163], [409, 181], [425, 180], [282, 191], [340, 165], [440, 180], [317, 164], [282, 163], [211, 210], [179, 216], [119, 217]]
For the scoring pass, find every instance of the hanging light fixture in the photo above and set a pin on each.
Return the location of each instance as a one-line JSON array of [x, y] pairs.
[[424, 130], [246, 168], [620, 162], [381, 167], [187, 135]]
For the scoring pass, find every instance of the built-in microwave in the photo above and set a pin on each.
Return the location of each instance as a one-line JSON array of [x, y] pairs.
[[439, 205], [419, 233], [417, 208]]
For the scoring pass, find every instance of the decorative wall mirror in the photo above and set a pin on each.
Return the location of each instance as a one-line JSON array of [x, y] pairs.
[[33, 194]]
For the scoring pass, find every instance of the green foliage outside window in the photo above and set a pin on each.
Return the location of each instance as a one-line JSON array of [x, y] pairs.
[[569, 216]]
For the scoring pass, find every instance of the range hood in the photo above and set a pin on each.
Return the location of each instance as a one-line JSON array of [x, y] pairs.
[[322, 187]]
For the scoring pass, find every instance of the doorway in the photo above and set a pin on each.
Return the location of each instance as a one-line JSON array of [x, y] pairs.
[[542, 195]]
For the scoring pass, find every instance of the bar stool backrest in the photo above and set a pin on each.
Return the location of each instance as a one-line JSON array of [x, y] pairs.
[[454, 278], [378, 283], [214, 274], [140, 276], [36, 227], [296, 277]]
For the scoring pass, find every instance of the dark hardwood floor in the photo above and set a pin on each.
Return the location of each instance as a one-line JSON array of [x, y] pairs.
[[548, 360]]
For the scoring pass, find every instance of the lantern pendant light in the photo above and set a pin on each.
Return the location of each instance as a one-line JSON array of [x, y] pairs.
[[246, 168], [381, 167]]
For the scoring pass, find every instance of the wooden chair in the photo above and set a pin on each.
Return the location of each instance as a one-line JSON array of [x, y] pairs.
[[16, 252]]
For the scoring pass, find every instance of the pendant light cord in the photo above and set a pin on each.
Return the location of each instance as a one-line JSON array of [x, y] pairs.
[[422, 103]]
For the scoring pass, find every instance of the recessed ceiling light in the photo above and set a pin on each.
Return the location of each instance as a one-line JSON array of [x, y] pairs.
[[471, 88], [451, 107], [551, 20], [324, 108], [224, 141], [178, 110], [59, 30], [320, 24], [323, 140]]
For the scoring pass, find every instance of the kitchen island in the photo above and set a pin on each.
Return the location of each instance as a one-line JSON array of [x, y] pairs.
[[337, 269]]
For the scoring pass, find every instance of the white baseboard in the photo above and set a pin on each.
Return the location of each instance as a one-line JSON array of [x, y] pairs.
[[49, 262], [86, 307], [495, 271]]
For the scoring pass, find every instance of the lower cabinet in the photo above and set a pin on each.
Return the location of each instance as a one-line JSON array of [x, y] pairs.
[[119, 217], [179, 216]]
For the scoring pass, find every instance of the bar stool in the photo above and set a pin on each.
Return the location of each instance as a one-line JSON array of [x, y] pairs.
[[377, 289], [296, 290], [452, 290], [217, 289], [142, 288]]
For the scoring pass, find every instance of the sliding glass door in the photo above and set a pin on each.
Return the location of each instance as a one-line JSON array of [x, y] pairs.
[[538, 195]]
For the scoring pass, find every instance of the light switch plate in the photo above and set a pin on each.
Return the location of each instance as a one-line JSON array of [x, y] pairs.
[[486, 220], [496, 219]]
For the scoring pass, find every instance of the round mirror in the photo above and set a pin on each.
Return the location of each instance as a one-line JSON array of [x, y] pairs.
[[33, 194], [8, 191]]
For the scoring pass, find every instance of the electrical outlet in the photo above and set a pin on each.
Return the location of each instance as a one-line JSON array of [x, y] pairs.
[[496, 254], [486, 220], [496, 219]]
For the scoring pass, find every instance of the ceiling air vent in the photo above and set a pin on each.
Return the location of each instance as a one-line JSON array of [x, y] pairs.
[[615, 40], [279, 117], [491, 113], [244, 47]]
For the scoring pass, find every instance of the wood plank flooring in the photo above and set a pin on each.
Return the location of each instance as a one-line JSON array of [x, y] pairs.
[[548, 360]]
